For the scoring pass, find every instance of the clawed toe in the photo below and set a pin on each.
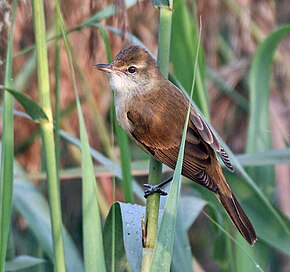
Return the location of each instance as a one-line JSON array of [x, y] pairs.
[[152, 189]]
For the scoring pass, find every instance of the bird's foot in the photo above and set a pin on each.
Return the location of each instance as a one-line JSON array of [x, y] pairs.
[[153, 189]]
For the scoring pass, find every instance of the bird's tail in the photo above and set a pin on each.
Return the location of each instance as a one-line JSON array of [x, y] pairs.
[[238, 217]]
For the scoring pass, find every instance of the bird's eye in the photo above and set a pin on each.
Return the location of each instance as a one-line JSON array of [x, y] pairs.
[[132, 69]]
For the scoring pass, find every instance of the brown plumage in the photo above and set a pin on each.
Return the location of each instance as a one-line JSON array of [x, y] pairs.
[[153, 111]]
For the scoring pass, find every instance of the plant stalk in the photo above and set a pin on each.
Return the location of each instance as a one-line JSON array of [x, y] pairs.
[[7, 152], [47, 134], [152, 205]]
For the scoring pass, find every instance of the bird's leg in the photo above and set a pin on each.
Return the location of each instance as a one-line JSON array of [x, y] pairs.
[[152, 189]]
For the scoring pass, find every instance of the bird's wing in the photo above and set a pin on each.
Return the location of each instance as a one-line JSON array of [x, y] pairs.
[[210, 138], [197, 157]]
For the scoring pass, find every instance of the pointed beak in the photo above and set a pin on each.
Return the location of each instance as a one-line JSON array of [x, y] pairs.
[[105, 68]]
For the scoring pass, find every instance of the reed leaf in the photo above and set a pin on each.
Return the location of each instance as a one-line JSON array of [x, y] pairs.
[[184, 44], [7, 152], [92, 227], [35, 112], [23, 262], [47, 134]]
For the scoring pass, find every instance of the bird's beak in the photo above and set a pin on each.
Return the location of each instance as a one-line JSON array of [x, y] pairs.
[[105, 68]]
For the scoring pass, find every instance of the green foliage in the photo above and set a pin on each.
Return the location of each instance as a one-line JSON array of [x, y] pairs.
[[23, 262], [7, 153], [260, 140], [33, 206], [47, 133], [183, 53], [31, 108], [92, 226]]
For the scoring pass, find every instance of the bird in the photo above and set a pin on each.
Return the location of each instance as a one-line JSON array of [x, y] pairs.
[[152, 111]]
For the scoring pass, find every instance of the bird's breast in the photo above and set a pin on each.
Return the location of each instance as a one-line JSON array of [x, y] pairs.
[[122, 106]]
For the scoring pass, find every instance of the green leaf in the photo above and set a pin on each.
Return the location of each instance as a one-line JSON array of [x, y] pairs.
[[109, 164], [92, 226], [7, 152], [31, 108], [267, 226], [47, 134], [258, 134], [23, 262], [259, 138], [270, 157], [105, 13], [183, 52], [128, 234], [188, 210]]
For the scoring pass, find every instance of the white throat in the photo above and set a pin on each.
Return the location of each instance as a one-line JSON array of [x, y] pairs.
[[124, 89]]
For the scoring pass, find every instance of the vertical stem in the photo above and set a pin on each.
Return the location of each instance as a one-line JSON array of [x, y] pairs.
[[57, 94], [7, 153], [47, 134], [125, 157], [152, 205]]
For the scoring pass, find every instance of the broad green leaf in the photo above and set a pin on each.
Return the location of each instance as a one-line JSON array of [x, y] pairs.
[[258, 135], [92, 227], [128, 234], [23, 262], [259, 138]]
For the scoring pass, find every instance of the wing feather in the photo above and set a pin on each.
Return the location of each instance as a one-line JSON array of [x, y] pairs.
[[210, 138]]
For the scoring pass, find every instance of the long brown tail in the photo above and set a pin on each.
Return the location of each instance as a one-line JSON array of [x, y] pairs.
[[238, 217]]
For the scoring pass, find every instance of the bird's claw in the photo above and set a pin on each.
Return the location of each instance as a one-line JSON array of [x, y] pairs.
[[152, 189]]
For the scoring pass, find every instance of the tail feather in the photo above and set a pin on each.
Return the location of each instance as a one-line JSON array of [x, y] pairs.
[[238, 217]]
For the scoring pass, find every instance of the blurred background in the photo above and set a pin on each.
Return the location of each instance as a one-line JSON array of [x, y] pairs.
[[231, 32]]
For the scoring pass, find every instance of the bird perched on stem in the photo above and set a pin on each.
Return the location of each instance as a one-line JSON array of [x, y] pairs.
[[153, 111]]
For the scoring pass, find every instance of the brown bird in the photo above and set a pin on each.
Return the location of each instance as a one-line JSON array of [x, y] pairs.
[[153, 111]]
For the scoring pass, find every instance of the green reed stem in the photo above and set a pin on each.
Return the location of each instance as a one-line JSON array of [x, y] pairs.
[[155, 172], [47, 134], [7, 153]]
